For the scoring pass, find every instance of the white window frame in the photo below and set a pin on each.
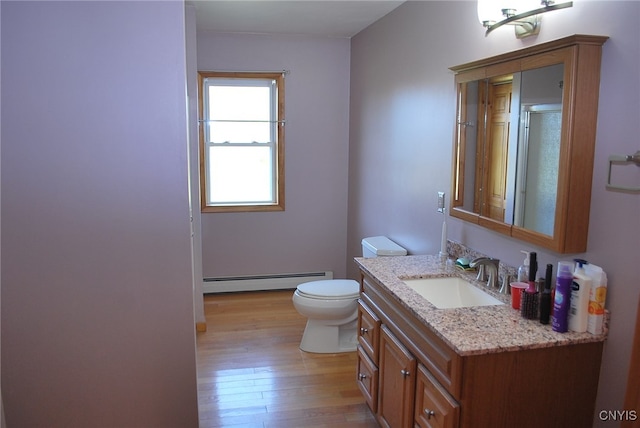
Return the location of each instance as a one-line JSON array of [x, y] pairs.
[[275, 81]]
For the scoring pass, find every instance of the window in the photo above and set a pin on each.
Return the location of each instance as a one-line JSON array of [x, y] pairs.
[[241, 141]]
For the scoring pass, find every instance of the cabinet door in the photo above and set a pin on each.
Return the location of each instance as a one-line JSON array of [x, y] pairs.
[[368, 331], [368, 379], [397, 383], [435, 408]]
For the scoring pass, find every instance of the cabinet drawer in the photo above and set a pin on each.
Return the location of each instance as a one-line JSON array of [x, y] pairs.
[[368, 331], [367, 373], [434, 407]]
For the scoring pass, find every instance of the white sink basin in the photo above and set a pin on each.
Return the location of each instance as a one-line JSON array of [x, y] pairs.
[[451, 292]]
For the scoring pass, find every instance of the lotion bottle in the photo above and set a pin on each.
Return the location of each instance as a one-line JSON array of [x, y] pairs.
[[580, 289], [562, 297], [597, 297]]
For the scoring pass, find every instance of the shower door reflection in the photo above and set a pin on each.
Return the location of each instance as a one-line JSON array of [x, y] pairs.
[[538, 163]]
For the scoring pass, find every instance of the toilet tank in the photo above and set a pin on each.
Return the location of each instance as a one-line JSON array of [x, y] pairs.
[[376, 246]]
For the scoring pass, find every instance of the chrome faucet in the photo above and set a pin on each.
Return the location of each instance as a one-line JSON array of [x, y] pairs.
[[487, 264]]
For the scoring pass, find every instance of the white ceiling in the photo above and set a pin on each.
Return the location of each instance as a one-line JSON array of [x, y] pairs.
[[334, 18]]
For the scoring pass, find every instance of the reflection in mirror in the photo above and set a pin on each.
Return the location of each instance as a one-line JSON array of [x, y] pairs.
[[525, 141], [468, 125], [535, 201], [509, 133], [539, 148]]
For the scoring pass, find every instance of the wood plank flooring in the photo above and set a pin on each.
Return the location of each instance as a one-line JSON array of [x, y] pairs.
[[251, 372]]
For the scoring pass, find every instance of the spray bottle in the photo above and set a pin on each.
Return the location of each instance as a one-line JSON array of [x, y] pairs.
[[545, 297], [562, 298]]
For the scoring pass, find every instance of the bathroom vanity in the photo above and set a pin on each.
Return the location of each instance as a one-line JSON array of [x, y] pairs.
[[482, 366]]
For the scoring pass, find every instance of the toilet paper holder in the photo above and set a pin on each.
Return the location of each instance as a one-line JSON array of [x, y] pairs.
[[623, 159]]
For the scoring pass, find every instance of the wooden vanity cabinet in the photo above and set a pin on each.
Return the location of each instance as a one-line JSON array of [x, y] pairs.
[[422, 382]]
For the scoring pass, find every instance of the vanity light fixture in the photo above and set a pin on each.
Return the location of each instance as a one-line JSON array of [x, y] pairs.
[[524, 15]]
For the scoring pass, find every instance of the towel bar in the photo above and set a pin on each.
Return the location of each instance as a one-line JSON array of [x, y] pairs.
[[618, 159]]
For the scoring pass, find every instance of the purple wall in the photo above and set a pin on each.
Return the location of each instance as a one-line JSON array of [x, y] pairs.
[[97, 303], [311, 233], [402, 121]]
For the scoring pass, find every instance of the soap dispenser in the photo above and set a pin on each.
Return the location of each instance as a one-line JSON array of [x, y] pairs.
[[523, 270]]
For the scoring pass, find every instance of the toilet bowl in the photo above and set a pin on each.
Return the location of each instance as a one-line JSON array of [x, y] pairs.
[[331, 306]]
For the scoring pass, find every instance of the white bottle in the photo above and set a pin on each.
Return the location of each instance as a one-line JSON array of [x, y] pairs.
[[597, 297], [523, 270], [580, 289]]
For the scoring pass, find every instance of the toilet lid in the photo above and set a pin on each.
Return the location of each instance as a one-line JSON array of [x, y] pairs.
[[330, 289]]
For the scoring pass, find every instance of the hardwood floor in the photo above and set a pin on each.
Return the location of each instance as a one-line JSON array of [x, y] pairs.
[[251, 372]]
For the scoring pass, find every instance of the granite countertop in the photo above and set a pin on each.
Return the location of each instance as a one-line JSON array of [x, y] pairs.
[[469, 331]]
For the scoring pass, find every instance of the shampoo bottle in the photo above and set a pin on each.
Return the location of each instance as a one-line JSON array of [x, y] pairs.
[[562, 297], [597, 296], [545, 297], [580, 289]]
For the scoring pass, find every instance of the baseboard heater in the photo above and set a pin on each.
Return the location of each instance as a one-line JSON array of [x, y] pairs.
[[284, 281]]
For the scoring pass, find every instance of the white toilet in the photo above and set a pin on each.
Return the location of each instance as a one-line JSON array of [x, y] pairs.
[[331, 306]]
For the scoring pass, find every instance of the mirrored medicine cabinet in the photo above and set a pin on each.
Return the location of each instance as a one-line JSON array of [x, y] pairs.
[[524, 142]]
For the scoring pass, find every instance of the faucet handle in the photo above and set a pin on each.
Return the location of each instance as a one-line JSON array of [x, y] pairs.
[[505, 288]]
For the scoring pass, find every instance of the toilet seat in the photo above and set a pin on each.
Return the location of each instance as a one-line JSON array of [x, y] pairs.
[[331, 289]]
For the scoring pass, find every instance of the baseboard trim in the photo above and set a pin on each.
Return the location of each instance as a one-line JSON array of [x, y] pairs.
[[283, 281]]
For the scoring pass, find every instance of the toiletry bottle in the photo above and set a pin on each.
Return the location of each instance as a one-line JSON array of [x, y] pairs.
[[545, 297], [523, 270], [597, 297], [580, 289], [562, 297], [529, 299]]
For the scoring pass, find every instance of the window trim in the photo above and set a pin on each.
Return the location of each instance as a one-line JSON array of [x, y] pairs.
[[278, 77]]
